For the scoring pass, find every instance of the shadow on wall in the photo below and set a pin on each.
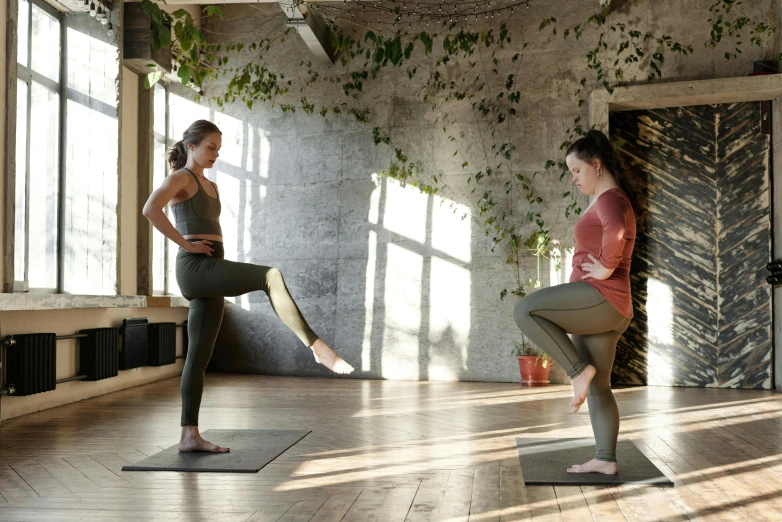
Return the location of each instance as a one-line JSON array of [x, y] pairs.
[[383, 273], [387, 281]]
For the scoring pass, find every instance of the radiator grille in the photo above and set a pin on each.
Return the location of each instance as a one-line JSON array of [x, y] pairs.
[[32, 363], [98, 353], [134, 343], [161, 344]]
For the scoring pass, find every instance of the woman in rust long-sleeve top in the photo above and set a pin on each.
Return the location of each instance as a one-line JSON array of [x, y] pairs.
[[596, 305]]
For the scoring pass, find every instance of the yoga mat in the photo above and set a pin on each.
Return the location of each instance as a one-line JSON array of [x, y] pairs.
[[250, 451], [545, 462]]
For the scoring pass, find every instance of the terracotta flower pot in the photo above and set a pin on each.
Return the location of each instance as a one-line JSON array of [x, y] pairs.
[[532, 374]]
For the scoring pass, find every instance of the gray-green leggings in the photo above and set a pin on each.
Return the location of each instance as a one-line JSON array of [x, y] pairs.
[[206, 281], [547, 315]]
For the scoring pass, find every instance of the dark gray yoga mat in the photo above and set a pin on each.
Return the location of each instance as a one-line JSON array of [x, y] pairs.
[[250, 451], [545, 462]]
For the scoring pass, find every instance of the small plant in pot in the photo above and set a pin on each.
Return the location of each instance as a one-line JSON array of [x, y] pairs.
[[534, 365]]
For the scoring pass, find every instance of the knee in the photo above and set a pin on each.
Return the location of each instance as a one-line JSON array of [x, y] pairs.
[[273, 277], [273, 274]]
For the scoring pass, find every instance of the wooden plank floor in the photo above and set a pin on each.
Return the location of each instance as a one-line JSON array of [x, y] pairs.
[[391, 451]]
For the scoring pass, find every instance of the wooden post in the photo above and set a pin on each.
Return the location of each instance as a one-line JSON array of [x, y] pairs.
[[146, 147], [12, 7]]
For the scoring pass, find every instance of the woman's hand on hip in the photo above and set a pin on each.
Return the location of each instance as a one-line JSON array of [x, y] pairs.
[[595, 270], [201, 247]]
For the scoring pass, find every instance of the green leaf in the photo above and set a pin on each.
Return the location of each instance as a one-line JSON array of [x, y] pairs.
[[212, 10], [408, 50], [163, 36], [152, 78], [184, 74]]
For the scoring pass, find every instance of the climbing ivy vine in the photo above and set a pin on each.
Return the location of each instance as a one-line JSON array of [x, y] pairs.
[[462, 67]]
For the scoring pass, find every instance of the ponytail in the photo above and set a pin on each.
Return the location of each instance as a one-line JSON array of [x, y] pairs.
[[177, 156], [595, 145]]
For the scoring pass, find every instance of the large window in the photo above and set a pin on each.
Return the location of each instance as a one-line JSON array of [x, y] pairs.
[[39, 88], [67, 138], [91, 148]]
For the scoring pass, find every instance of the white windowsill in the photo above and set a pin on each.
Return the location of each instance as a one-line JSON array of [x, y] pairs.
[[24, 301]]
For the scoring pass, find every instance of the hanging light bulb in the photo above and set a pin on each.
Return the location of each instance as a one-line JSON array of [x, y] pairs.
[[111, 30], [104, 20], [92, 10]]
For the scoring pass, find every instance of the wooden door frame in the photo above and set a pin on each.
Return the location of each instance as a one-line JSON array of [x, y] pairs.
[[711, 92]]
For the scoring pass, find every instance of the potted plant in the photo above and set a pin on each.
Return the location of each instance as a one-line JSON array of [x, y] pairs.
[[534, 365]]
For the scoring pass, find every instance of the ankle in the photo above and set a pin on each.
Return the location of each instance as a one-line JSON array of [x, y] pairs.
[[586, 373], [189, 432]]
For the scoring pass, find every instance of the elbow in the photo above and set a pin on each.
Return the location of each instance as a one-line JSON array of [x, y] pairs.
[[147, 212]]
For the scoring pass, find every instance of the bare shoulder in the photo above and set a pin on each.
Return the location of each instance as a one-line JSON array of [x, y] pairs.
[[180, 178]]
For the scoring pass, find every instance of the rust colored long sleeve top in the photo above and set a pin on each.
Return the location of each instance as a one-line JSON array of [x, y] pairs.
[[607, 231]]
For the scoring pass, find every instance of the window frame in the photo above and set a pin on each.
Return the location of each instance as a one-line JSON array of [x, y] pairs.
[[27, 75]]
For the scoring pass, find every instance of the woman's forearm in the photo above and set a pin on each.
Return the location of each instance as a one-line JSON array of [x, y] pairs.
[[160, 221]]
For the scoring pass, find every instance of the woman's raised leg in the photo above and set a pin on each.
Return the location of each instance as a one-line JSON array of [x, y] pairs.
[[229, 278]]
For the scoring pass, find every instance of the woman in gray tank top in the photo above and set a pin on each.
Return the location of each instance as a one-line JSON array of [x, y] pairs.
[[205, 278]]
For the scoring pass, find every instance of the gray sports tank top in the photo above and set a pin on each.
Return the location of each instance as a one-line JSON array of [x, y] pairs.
[[199, 214]]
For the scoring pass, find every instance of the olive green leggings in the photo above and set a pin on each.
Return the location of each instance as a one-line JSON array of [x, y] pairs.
[[547, 315], [206, 281]]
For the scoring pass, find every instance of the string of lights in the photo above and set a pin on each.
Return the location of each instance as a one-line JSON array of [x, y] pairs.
[[101, 13], [395, 12]]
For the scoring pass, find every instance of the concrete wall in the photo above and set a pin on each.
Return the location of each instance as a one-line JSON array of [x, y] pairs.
[[391, 278]]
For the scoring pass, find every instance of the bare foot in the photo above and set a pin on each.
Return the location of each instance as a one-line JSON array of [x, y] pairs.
[[191, 441], [581, 387], [595, 466], [329, 358]]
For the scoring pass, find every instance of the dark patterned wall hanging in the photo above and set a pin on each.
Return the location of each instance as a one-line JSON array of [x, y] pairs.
[[703, 308]]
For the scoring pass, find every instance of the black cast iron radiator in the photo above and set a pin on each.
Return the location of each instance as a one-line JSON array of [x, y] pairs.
[[161, 344], [133, 352], [98, 354], [32, 363]]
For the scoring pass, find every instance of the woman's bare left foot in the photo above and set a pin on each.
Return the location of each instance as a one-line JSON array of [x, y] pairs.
[[327, 357], [581, 386], [595, 466], [191, 441]]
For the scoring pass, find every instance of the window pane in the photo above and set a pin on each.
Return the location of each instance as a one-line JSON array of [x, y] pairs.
[[173, 287], [46, 44], [159, 106], [158, 239], [159, 173], [91, 181], [20, 239], [23, 32], [44, 190], [181, 113]]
